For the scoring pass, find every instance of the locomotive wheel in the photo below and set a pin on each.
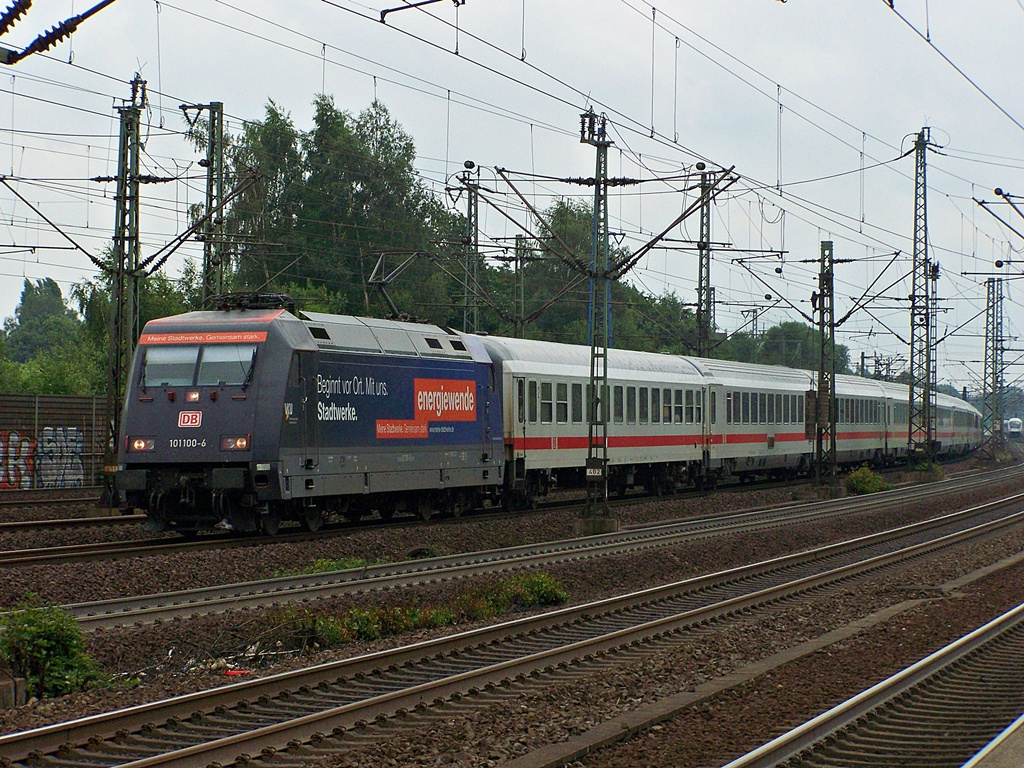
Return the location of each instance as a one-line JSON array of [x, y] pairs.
[[270, 522], [424, 508], [312, 519]]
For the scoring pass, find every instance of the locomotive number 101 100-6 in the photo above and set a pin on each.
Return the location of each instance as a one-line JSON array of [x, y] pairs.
[[186, 442]]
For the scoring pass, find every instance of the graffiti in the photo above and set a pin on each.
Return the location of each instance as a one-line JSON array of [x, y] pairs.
[[17, 460], [52, 461], [59, 458]]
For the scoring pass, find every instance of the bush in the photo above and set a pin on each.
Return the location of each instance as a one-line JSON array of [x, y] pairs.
[[45, 645], [863, 481]]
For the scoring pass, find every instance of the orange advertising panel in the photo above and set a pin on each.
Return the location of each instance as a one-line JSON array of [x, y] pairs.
[[434, 400]]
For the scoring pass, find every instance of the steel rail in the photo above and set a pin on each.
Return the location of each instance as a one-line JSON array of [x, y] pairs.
[[936, 697], [182, 603], [487, 657]]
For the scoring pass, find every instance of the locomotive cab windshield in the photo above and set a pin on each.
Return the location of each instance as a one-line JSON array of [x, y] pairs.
[[209, 365]]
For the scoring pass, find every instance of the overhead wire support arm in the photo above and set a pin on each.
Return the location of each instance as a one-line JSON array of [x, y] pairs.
[[712, 190], [407, 6], [93, 259]]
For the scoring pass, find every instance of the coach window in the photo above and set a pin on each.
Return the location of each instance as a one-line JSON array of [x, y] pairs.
[[532, 389], [521, 400], [771, 408], [698, 407], [754, 415], [677, 405], [545, 402], [689, 406], [762, 400], [617, 404], [785, 409], [631, 405], [728, 407], [577, 403], [644, 405], [746, 407], [655, 405], [711, 405], [737, 415], [666, 406], [800, 409], [561, 402]]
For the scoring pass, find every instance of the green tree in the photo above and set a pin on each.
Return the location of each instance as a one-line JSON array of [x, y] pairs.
[[41, 321]]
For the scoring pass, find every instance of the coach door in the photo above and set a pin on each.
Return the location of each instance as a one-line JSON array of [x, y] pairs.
[[519, 428], [708, 401]]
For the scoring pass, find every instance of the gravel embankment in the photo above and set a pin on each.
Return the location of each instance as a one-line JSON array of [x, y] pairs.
[[175, 658]]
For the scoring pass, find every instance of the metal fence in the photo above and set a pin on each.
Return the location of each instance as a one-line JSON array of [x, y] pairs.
[[51, 441]]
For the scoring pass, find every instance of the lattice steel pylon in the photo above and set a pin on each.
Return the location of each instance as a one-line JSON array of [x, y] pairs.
[[825, 409], [471, 250], [124, 275], [593, 131], [992, 395], [705, 301], [921, 422]]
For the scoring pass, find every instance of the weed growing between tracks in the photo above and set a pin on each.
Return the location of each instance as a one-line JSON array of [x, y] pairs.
[[864, 480], [305, 629]]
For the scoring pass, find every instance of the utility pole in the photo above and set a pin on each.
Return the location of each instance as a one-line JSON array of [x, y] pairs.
[[593, 131], [705, 306], [212, 235], [825, 409], [992, 394], [923, 370], [124, 277], [471, 251]]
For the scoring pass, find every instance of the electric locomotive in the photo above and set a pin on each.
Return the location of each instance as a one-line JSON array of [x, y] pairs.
[[243, 417]]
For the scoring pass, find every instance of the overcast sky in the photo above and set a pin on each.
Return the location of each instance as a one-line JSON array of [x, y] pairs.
[[813, 102]]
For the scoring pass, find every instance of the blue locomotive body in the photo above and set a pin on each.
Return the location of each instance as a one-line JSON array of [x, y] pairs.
[[243, 418]]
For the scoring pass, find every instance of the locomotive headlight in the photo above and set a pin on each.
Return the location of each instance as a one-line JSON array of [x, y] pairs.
[[192, 396], [235, 443], [141, 443]]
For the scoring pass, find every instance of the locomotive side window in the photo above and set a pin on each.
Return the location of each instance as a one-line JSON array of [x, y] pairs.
[[546, 408], [644, 405], [577, 403], [631, 405], [532, 401], [562, 402], [228, 364], [617, 413], [655, 405], [170, 366]]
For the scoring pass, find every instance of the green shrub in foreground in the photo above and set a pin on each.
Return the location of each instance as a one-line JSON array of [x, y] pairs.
[[863, 480], [46, 646]]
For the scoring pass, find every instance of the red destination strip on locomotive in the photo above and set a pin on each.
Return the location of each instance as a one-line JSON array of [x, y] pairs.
[[224, 337], [434, 400]]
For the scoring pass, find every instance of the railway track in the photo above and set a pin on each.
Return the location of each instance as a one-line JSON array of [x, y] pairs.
[[937, 713], [179, 604], [168, 546], [299, 715]]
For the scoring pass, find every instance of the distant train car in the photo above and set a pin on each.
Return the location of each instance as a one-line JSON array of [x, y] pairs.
[[1013, 428], [242, 418]]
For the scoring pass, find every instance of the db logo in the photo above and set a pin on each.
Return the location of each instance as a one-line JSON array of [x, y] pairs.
[[190, 418]]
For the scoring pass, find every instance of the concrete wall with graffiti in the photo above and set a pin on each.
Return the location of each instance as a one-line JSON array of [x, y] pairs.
[[50, 441]]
